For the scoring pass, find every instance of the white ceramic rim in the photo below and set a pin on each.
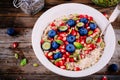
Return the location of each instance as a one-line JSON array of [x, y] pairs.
[[71, 8]]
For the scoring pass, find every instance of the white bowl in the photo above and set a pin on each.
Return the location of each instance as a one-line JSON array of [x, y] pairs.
[[66, 9]]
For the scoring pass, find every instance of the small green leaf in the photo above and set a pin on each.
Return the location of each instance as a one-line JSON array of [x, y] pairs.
[[23, 62], [16, 55]]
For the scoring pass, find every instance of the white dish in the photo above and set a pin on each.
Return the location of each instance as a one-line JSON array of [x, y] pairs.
[[66, 9]]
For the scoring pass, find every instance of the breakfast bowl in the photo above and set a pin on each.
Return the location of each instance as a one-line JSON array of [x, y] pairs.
[[67, 9]]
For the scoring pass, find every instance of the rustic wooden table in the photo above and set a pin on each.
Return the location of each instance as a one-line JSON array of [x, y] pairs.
[[10, 68]]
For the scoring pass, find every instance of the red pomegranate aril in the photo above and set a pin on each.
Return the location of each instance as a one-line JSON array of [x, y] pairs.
[[86, 25], [64, 39], [63, 50], [15, 44], [63, 58], [46, 54], [54, 28], [73, 32], [52, 24], [97, 30], [61, 63], [99, 40], [42, 41], [57, 64], [60, 38], [67, 54], [62, 24], [90, 18], [76, 69], [71, 59], [63, 34], [81, 16], [82, 56], [104, 78], [66, 43], [67, 59], [62, 47], [50, 57], [86, 51], [63, 67], [86, 16]]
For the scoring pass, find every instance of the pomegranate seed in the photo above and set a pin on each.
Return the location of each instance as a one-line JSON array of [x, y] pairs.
[[42, 41], [81, 16], [50, 57], [66, 42], [97, 30], [60, 38], [71, 59], [63, 34], [67, 54], [73, 32], [76, 69], [63, 50], [61, 63], [67, 59], [86, 25], [15, 44], [78, 40], [86, 16], [63, 58], [62, 47], [86, 51], [82, 56], [46, 54], [57, 64], [90, 18], [62, 24], [54, 28], [99, 40], [63, 67], [52, 24], [104, 78]]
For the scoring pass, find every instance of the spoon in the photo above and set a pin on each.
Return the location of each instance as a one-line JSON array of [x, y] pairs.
[[112, 18]]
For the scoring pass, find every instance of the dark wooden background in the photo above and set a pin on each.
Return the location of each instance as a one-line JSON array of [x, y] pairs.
[[10, 68]]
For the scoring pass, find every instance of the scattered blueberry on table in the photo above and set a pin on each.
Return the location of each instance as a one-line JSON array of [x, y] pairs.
[[11, 31], [113, 67]]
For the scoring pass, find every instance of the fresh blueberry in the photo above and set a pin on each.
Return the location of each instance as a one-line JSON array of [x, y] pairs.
[[71, 38], [83, 31], [71, 22], [57, 55], [10, 31], [93, 26], [52, 33], [113, 67], [84, 20], [70, 48], [55, 45]]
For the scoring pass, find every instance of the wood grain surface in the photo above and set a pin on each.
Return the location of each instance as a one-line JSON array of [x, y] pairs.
[[10, 68]]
